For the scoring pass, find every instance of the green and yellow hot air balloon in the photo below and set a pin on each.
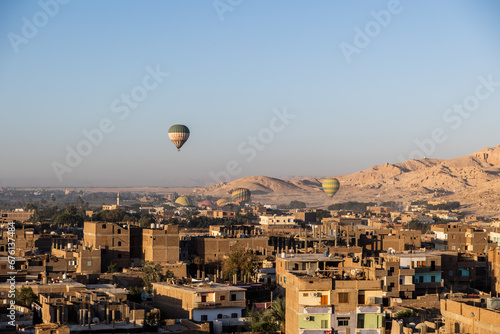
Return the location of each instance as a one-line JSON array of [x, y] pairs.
[[184, 201], [331, 185], [178, 134]]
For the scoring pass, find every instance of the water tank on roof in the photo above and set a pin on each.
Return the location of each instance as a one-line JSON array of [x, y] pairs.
[[493, 303]]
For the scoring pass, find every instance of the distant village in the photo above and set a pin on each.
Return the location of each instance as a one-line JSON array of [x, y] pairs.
[[194, 265]]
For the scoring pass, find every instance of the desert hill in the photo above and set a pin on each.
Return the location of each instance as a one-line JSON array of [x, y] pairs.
[[472, 180]]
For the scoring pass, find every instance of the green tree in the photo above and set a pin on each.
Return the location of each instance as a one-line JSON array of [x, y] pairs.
[[151, 273], [29, 207], [113, 216], [146, 221], [278, 312], [241, 262], [112, 268], [153, 319], [297, 205], [25, 296], [320, 214], [134, 294], [261, 321], [68, 219]]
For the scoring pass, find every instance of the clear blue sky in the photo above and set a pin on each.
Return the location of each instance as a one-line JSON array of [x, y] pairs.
[[230, 64]]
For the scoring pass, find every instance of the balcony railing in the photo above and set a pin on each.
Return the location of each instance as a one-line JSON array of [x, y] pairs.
[[225, 303], [368, 331], [368, 309]]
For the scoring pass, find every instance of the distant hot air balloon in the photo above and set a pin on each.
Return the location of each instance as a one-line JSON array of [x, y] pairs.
[[178, 134], [222, 202], [209, 204], [184, 201], [240, 195], [331, 186]]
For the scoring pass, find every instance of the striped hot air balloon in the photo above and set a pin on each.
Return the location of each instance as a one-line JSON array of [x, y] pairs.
[[240, 195], [178, 134], [184, 201], [222, 202], [331, 185]]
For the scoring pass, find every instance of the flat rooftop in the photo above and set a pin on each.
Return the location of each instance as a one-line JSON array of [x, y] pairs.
[[202, 287], [310, 258]]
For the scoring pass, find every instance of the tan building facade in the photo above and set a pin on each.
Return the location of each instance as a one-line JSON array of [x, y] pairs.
[[202, 302], [161, 245], [112, 239]]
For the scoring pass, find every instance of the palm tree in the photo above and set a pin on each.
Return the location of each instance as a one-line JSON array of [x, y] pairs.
[[278, 312]]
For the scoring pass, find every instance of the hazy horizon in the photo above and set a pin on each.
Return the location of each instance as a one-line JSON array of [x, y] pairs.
[[90, 89]]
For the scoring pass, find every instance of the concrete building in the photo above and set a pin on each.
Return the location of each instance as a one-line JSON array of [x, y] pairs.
[[112, 239], [17, 215], [397, 279], [494, 270], [428, 272], [323, 296], [276, 220], [212, 249], [462, 238], [161, 245], [200, 302], [462, 316]]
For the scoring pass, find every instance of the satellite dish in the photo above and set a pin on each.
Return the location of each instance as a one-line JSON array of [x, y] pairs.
[[391, 250]]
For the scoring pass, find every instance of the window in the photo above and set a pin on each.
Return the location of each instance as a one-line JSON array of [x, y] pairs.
[[119, 256], [324, 323], [450, 273], [222, 297], [234, 315], [119, 243], [89, 263], [343, 297], [119, 231], [103, 225], [361, 321], [219, 316], [421, 279], [204, 317], [433, 278], [305, 294], [343, 321], [203, 299], [233, 297], [392, 284]]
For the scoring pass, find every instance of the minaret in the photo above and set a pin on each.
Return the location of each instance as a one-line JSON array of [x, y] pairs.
[[118, 200]]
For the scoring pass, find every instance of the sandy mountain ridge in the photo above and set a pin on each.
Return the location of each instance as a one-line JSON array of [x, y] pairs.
[[473, 180]]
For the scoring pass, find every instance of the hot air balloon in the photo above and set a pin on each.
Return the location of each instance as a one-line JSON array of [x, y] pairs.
[[184, 201], [209, 204], [240, 195], [222, 202], [331, 186], [178, 134]]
